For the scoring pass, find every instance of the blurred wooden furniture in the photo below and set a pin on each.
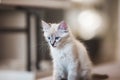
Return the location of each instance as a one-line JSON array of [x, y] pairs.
[[34, 11], [62, 4]]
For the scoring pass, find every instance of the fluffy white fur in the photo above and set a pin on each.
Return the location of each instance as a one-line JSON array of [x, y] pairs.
[[70, 58]]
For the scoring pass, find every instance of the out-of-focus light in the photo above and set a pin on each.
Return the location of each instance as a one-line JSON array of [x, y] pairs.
[[88, 2], [89, 21]]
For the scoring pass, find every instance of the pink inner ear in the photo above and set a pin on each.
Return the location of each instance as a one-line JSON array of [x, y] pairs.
[[63, 26]]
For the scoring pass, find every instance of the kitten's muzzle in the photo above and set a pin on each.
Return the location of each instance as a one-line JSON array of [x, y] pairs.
[[53, 44]]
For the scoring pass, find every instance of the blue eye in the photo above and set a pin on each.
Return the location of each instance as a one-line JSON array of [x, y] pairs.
[[57, 38], [48, 37]]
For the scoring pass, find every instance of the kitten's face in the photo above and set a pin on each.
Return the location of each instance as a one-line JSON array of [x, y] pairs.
[[55, 34]]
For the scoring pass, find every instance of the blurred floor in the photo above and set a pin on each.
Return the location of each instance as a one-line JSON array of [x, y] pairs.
[[112, 69], [16, 75], [42, 74]]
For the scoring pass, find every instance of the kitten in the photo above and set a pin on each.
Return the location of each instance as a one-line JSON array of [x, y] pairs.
[[70, 58]]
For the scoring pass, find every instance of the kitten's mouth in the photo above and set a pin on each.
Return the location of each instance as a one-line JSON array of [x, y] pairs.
[[53, 45]]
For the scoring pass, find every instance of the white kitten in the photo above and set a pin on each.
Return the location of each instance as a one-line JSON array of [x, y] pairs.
[[70, 58]]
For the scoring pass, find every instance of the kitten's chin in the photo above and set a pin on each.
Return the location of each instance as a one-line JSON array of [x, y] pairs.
[[53, 46]]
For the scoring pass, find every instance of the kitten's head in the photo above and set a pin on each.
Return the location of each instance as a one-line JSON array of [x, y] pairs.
[[55, 34]]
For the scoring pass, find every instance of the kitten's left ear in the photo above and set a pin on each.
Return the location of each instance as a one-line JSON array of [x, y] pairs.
[[63, 26], [45, 25]]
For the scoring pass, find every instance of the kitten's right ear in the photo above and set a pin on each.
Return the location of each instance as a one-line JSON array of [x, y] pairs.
[[45, 26]]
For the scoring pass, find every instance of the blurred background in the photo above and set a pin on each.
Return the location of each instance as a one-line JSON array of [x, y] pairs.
[[25, 54]]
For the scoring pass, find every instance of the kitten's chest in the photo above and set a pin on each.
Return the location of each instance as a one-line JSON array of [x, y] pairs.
[[62, 56]]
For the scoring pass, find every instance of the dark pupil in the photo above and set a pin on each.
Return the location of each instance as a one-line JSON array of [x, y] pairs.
[[48, 37], [57, 37]]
